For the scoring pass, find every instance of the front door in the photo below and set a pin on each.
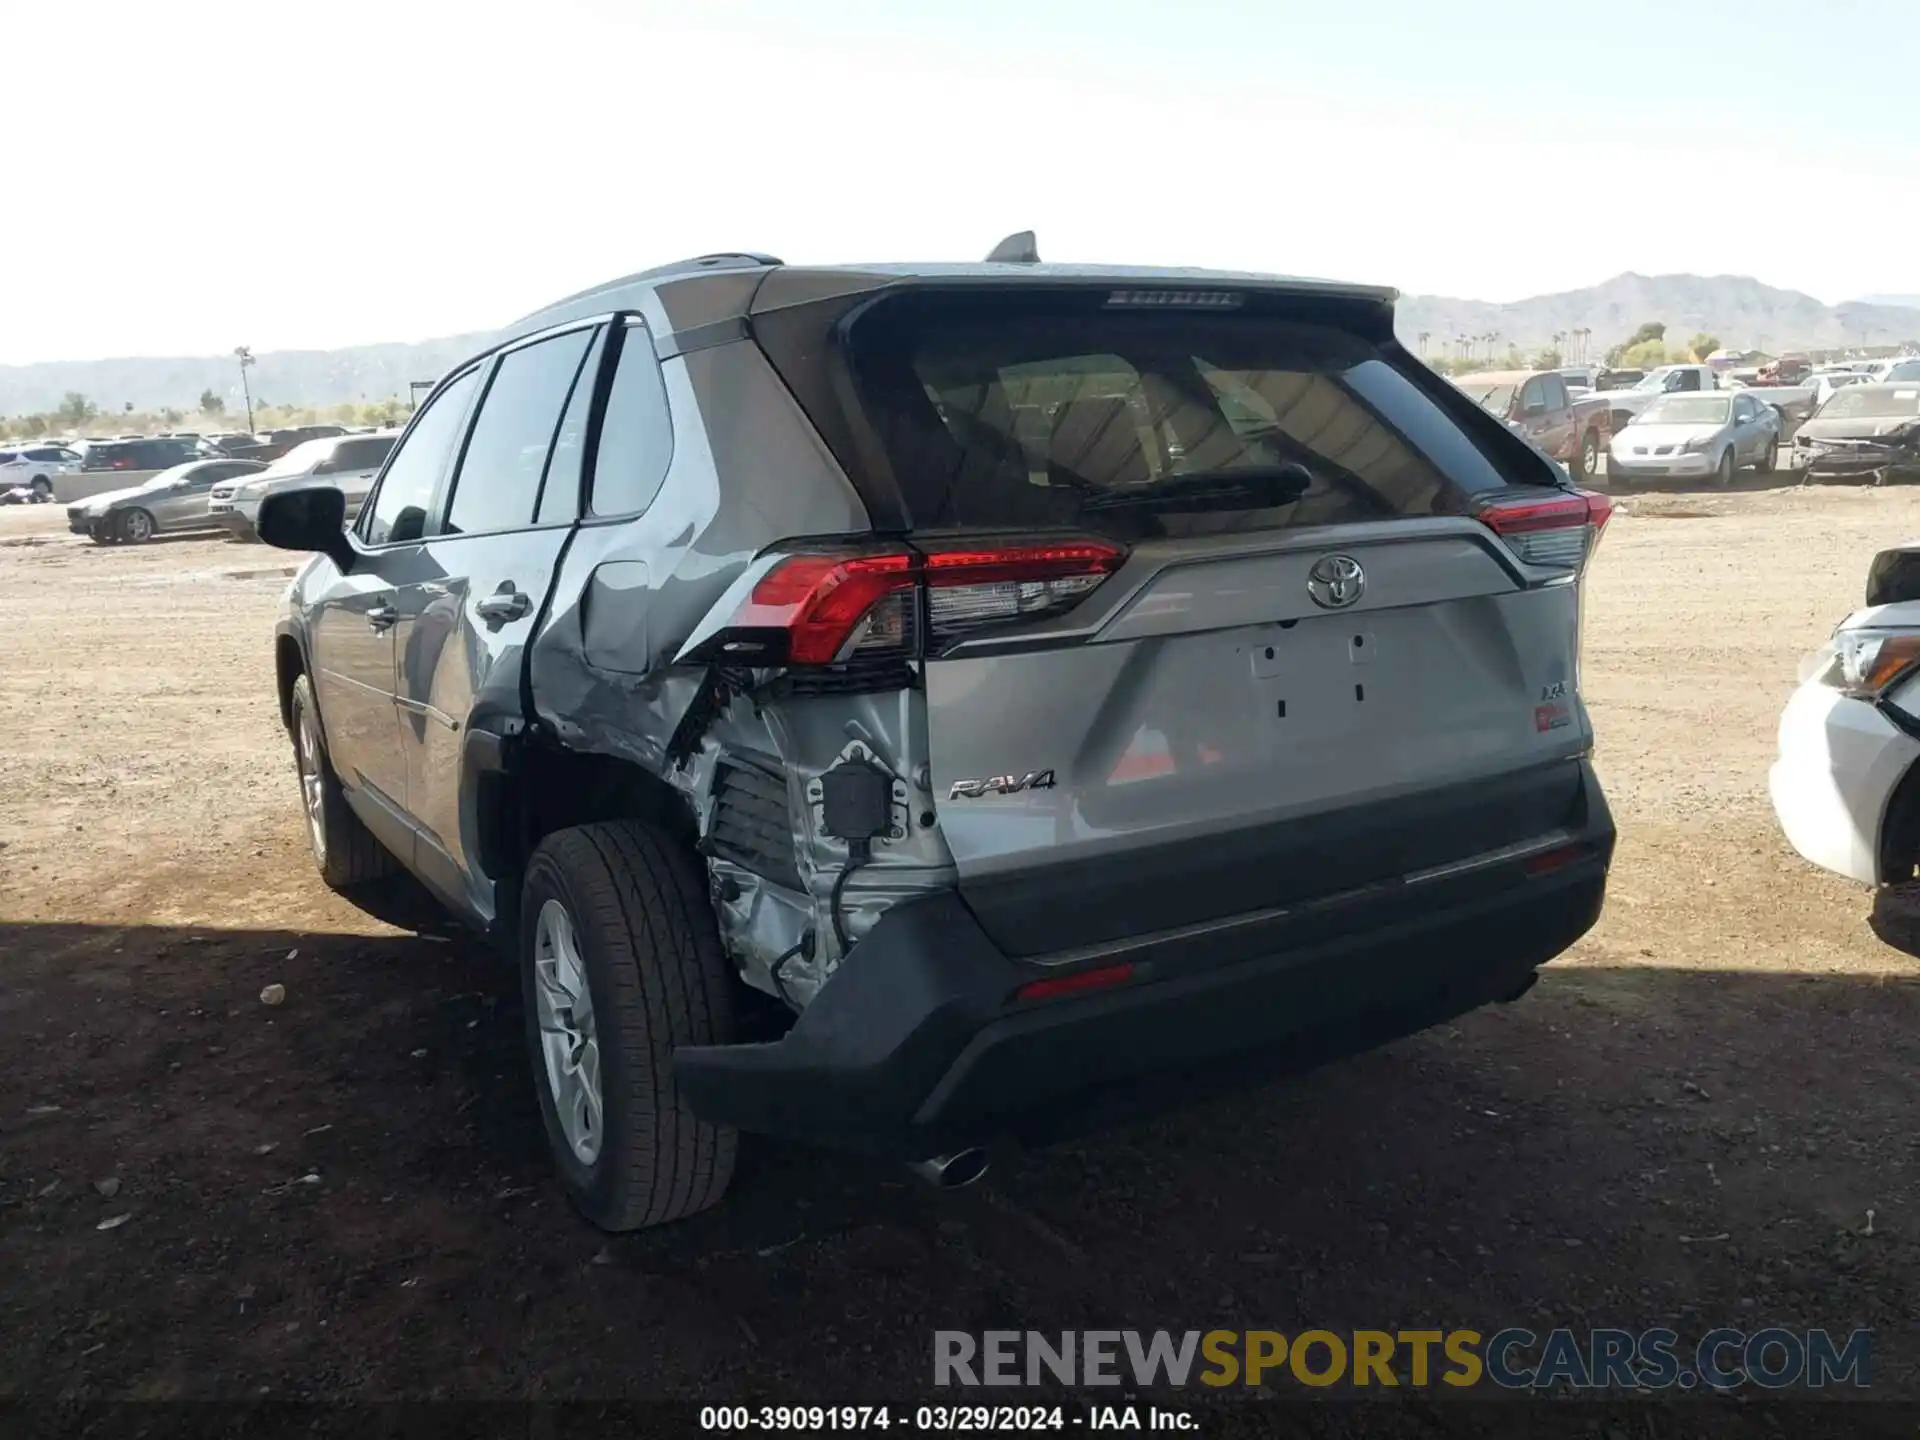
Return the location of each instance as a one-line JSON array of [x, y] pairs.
[[352, 657], [358, 621], [492, 558]]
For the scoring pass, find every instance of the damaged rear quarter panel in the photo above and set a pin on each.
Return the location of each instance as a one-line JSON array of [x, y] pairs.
[[748, 470]]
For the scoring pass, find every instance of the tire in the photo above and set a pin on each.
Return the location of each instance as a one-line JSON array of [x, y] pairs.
[[344, 850], [42, 488], [1723, 472], [1586, 459], [647, 953], [1769, 460], [134, 527]]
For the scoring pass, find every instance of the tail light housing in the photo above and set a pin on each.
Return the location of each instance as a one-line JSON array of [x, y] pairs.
[[847, 605], [1559, 532]]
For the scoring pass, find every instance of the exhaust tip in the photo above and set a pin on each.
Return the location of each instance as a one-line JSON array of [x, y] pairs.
[[953, 1172]]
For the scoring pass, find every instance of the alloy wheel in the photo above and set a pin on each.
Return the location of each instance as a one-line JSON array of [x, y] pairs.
[[569, 1041]]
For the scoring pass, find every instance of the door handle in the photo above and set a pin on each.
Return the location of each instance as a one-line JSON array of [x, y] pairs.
[[382, 617], [506, 603]]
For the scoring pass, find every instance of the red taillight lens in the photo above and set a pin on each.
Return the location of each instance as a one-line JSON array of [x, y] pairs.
[[829, 604], [832, 607], [1558, 533], [1078, 982]]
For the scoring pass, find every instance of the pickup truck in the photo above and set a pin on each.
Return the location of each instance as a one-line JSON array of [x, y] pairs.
[[1794, 402], [1537, 405]]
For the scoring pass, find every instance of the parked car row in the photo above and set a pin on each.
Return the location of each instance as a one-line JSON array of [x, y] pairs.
[[1860, 420], [30, 472], [224, 494]]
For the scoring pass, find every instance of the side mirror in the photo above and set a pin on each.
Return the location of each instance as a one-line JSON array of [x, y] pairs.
[[311, 518]]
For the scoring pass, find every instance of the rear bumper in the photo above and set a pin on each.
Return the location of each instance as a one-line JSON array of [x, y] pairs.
[[917, 1047]]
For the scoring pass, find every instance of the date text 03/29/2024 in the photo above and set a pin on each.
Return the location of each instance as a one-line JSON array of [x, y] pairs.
[[942, 1418]]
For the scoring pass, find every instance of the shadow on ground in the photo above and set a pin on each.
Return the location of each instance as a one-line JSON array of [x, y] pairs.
[[347, 1193]]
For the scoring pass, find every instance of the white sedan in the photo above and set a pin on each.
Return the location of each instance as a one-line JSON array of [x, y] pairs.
[[1697, 435], [1846, 785]]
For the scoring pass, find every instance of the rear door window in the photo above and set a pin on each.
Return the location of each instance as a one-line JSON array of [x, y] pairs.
[[498, 485], [362, 454], [560, 491], [1139, 425]]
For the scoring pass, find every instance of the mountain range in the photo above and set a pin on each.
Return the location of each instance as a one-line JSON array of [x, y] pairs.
[[357, 374], [1739, 311]]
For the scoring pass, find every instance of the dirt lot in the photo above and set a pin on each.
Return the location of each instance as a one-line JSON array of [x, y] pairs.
[[1689, 1122]]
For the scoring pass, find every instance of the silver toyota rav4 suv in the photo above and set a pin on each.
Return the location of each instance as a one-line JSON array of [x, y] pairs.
[[900, 708]]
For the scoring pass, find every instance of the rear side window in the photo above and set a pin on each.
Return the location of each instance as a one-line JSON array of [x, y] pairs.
[[1005, 412], [498, 486], [399, 508], [362, 454], [636, 438]]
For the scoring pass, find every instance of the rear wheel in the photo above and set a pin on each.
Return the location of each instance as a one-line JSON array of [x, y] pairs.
[[1586, 459], [1769, 460], [621, 964], [42, 488], [343, 849], [135, 526]]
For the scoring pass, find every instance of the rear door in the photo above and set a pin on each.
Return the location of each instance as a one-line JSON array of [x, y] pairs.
[[511, 499], [1311, 666]]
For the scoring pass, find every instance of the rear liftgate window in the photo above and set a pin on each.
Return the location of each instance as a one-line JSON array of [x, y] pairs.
[[1109, 415]]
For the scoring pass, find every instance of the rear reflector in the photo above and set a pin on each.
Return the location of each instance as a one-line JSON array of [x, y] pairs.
[[834, 607], [1558, 533], [1548, 861], [1080, 982]]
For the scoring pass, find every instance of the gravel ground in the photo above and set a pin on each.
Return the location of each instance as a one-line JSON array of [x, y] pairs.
[[1703, 1115]]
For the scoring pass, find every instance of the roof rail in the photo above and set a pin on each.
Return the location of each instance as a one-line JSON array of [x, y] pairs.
[[1020, 248], [719, 260]]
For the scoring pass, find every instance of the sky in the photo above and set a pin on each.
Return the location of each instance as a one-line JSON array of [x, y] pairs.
[[295, 174]]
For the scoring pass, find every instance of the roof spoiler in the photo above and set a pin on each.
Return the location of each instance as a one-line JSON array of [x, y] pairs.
[[1017, 249]]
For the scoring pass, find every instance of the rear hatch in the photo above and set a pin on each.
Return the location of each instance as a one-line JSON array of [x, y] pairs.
[[1219, 600]]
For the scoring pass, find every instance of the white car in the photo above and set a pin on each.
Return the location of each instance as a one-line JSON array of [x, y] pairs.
[[36, 468], [1699, 435], [1825, 382], [348, 462], [1846, 784]]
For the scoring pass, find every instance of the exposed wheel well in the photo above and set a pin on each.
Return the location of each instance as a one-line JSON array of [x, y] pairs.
[[548, 788]]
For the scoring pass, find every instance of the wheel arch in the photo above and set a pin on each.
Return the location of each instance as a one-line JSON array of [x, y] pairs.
[[289, 664], [1896, 850], [521, 789]]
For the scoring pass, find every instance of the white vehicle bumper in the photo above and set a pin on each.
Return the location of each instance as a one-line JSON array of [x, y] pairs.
[[1840, 760], [1680, 464]]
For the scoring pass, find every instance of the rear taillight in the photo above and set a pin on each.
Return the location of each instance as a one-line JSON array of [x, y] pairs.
[[836, 607], [968, 590], [1558, 533]]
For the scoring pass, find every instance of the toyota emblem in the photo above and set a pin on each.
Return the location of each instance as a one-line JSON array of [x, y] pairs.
[[1336, 581]]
